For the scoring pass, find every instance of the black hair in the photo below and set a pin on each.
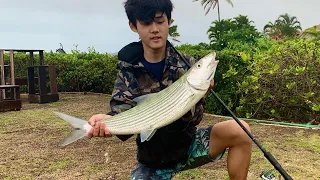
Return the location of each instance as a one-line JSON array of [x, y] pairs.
[[145, 10]]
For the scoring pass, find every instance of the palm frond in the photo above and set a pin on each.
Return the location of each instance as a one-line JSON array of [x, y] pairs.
[[206, 4], [211, 4], [230, 2]]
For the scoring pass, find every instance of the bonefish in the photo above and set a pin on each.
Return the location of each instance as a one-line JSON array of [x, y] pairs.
[[154, 110]]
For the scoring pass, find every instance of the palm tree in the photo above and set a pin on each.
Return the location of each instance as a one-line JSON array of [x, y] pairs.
[[239, 29], [243, 21], [285, 25], [289, 25], [212, 3], [289, 20], [216, 32], [270, 29]]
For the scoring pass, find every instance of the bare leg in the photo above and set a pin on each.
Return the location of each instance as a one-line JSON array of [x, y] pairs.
[[229, 134]]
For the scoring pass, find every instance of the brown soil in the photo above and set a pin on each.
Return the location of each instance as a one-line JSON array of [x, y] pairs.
[[29, 148]]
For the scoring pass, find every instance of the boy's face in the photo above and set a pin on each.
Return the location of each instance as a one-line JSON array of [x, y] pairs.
[[153, 33]]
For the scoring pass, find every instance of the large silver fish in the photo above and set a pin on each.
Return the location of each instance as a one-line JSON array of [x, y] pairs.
[[155, 110]]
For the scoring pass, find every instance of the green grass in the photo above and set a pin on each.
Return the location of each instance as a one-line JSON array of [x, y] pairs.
[[59, 164], [54, 103], [30, 137], [310, 142], [202, 174]]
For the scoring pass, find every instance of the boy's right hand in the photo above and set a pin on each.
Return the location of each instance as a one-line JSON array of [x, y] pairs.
[[99, 129]]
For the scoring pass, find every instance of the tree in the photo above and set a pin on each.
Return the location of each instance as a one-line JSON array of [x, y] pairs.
[[173, 33], [212, 3], [270, 28], [226, 31], [217, 31], [284, 26], [242, 21]]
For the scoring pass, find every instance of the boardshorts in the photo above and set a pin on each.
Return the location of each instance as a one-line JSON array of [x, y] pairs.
[[198, 155]]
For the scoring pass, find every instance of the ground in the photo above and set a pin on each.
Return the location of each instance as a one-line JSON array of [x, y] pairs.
[[29, 148]]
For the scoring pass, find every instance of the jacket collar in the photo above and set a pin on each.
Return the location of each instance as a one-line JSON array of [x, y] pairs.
[[131, 54]]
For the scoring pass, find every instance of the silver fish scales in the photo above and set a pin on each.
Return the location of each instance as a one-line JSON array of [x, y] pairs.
[[155, 110]]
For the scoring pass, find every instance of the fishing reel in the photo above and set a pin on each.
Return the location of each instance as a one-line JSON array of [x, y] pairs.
[[268, 175]]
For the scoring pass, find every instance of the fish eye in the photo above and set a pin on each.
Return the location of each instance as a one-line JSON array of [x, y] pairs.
[[199, 65]]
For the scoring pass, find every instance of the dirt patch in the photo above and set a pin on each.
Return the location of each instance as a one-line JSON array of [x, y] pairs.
[[29, 148]]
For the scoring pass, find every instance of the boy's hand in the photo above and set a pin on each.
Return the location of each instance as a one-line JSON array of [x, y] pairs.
[[99, 129]]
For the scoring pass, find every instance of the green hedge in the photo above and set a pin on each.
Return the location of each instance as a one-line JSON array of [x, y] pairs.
[[225, 87], [283, 83], [78, 71], [273, 79]]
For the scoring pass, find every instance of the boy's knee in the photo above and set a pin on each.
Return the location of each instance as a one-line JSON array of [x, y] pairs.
[[239, 133], [246, 125], [231, 133], [244, 135]]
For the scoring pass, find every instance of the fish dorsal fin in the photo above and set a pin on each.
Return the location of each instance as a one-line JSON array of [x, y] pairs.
[[198, 83], [147, 134], [142, 98]]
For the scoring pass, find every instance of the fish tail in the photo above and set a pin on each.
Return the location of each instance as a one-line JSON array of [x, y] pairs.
[[81, 129]]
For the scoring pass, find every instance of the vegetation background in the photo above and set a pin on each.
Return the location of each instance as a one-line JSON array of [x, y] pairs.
[[273, 74]]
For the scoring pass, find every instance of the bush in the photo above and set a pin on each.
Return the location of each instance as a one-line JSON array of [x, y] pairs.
[[273, 79], [230, 70], [283, 83], [78, 71], [196, 51]]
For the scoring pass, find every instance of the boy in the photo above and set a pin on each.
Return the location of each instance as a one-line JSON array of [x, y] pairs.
[[149, 66]]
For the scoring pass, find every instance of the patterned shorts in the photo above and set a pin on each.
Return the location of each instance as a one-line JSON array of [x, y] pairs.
[[198, 156]]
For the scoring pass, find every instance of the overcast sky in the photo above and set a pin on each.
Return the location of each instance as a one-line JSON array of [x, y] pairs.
[[102, 24]]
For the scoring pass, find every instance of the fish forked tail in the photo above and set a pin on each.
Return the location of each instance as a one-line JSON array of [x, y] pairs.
[[81, 129]]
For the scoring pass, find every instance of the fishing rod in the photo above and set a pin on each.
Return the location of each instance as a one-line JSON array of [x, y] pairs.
[[267, 154]]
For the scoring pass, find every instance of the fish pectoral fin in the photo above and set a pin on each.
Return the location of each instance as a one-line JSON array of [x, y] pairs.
[[147, 134], [142, 98]]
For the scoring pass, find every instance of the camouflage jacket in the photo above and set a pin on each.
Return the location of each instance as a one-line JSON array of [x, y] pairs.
[[134, 80]]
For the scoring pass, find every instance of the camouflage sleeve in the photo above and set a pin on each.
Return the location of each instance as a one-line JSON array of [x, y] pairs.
[[121, 100], [199, 109]]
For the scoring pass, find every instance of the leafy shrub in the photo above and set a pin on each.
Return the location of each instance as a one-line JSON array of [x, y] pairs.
[[283, 83], [230, 69], [196, 51], [78, 71], [273, 79], [311, 33]]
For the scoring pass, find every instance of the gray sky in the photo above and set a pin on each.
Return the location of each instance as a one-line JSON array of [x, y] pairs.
[[102, 24]]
